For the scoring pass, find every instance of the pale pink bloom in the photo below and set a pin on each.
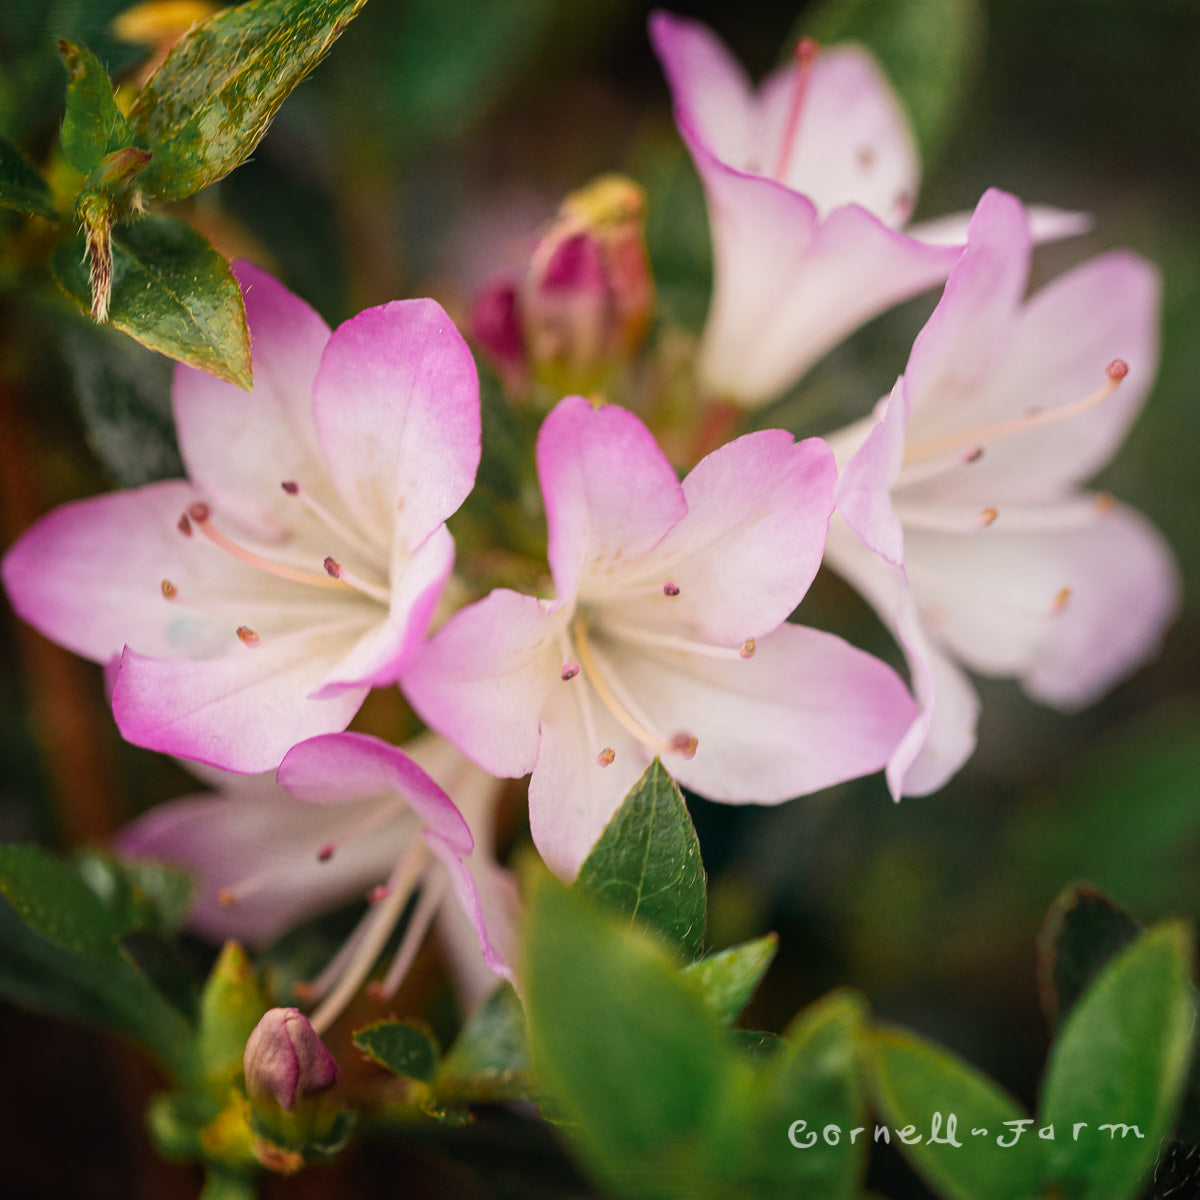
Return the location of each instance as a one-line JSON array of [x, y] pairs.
[[668, 637], [257, 603], [978, 545], [350, 816], [809, 180]]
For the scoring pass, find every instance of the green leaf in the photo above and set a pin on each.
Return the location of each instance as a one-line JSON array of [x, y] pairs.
[[206, 108], [60, 952], [625, 1047], [912, 1079], [726, 981], [927, 50], [1082, 931], [400, 1047], [123, 393], [22, 186], [141, 895], [1121, 1059], [171, 291], [93, 125], [489, 1060], [646, 864], [813, 1078]]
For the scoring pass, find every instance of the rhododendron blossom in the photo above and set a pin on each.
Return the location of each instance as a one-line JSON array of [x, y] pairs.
[[977, 544], [809, 181], [668, 636], [350, 816], [255, 604]]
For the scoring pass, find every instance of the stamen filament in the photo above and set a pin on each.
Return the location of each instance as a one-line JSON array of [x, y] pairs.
[[937, 518], [1116, 371], [609, 698], [667, 641], [585, 705], [334, 524], [335, 570], [432, 892], [200, 515], [931, 468], [400, 883], [806, 53]]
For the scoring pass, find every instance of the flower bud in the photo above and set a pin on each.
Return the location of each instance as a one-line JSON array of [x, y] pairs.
[[588, 298], [291, 1081]]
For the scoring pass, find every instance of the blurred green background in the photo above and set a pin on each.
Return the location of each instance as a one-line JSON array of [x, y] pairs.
[[416, 161]]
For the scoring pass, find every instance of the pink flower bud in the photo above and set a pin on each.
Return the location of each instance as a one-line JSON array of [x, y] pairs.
[[286, 1062]]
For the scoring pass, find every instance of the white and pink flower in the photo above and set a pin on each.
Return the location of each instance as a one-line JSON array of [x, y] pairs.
[[349, 816], [975, 542], [256, 603], [810, 179], [668, 637]]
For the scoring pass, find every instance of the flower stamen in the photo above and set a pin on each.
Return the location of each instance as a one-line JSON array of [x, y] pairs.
[[806, 52], [333, 523], [622, 706], [1115, 372], [199, 515]]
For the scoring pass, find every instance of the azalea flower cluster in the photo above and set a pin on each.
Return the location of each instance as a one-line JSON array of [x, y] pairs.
[[244, 613]]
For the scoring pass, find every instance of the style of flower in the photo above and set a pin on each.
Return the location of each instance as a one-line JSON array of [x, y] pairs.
[[349, 816], [669, 636], [257, 603], [977, 544], [809, 180]]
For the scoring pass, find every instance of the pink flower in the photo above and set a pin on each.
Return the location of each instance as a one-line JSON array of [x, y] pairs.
[[809, 180], [977, 543], [256, 604], [349, 816], [669, 636]]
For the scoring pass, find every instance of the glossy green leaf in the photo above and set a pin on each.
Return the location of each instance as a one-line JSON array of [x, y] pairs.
[[912, 1080], [1082, 931], [400, 1047], [793, 1135], [928, 51], [171, 291], [489, 1060], [141, 895], [21, 184], [646, 864], [1121, 1061], [726, 981], [624, 1046], [206, 108], [93, 126], [60, 952]]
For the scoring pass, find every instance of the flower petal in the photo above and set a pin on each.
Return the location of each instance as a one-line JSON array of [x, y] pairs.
[[571, 796], [481, 909], [240, 447], [610, 493], [864, 485], [1069, 610], [89, 574], [341, 767], [242, 711], [710, 89], [483, 680], [852, 144], [264, 846], [970, 330], [382, 655], [807, 711], [396, 407], [786, 287], [749, 546]]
